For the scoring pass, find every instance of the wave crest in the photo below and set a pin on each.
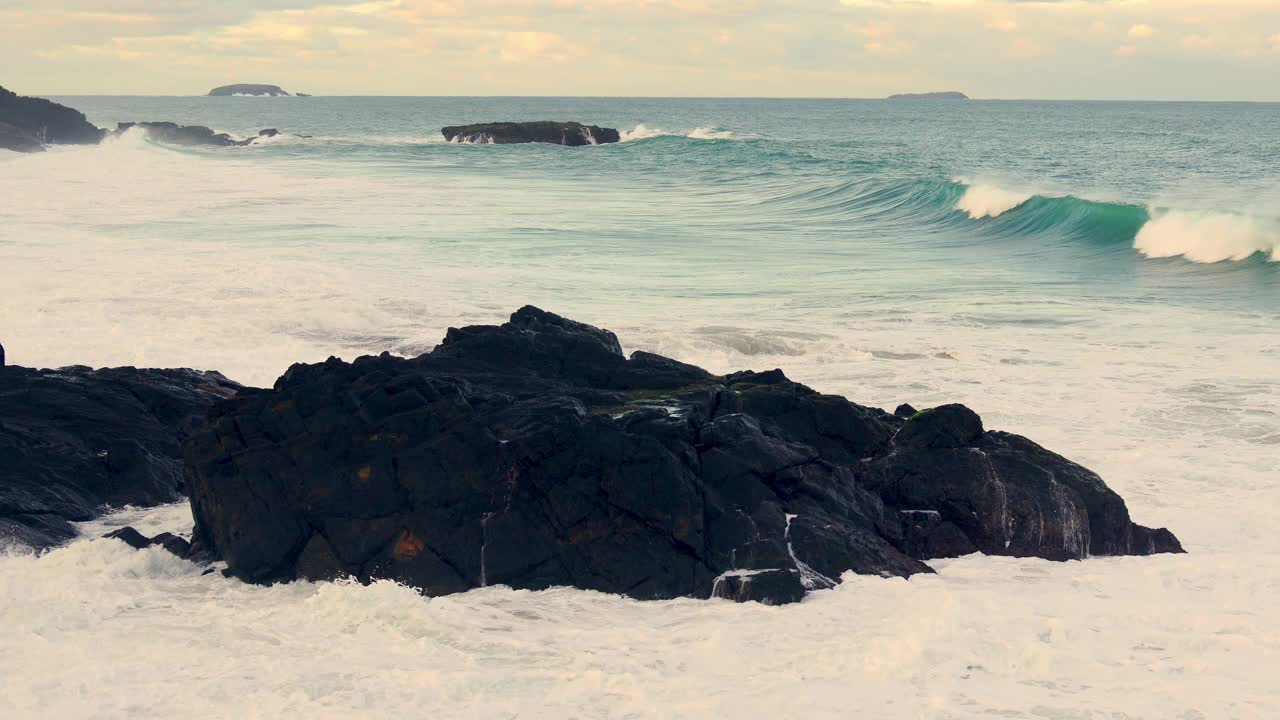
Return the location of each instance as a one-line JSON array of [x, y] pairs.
[[982, 201], [1208, 237]]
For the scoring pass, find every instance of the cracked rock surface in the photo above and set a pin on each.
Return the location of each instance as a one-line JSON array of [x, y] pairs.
[[535, 454], [75, 440]]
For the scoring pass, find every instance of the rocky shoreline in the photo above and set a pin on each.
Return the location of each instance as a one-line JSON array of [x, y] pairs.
[[535, 454], [28, 124]]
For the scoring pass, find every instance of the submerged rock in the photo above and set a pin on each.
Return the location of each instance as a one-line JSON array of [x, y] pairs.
[[535, 454], [45, 121], [543, 131], [248, 89], [176, 545], [74, 440]]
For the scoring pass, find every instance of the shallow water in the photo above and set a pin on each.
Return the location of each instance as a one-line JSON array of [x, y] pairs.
[[1001, 254]]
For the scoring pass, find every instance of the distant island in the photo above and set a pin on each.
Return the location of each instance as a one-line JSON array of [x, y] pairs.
[[950, 95], [248, 89]]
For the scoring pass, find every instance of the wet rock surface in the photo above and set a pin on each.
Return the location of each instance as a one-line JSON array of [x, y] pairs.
[[535, 454], [75, 440], [543, 131]]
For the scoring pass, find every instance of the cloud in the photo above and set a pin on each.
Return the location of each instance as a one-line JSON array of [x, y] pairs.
[[867, 48], [1002, 24], [1141, 31], [875, 29], [1197, 42]]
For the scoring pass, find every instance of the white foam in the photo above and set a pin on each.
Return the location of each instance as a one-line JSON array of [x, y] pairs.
[[98, 629], [1208, 237], [644, 132], [982, 200], [711, 133]]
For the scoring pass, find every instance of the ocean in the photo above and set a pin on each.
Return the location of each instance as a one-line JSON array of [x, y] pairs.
[[1101, 277]]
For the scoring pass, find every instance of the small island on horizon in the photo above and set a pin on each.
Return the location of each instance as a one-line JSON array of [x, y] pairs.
[[249, 89], [948, 95]]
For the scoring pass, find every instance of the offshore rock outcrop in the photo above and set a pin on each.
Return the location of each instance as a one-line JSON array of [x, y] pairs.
[[535, 454], [175, 134], [46, 121], [75, 440], [542, 131]]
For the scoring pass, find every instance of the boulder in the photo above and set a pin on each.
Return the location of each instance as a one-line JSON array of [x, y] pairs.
[[45, 121], [248, 89], [18, 140], [535, 454], [75, 440], [268, 132], [543, 131]]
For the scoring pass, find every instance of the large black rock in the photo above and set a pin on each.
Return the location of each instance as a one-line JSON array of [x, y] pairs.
[[74, 440], [541, 131], [535, 454], [46, 121]]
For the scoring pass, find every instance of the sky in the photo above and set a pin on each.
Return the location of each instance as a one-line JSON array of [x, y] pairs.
[[1050, 49]]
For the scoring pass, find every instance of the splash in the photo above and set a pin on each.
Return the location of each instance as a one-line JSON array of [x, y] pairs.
[[644, 132], [1208, 237], [982, 201]]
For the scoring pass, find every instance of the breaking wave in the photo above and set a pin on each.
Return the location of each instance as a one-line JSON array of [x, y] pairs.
[[644, 132]]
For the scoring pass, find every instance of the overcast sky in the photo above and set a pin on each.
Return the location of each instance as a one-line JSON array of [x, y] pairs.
[[1104, 49]]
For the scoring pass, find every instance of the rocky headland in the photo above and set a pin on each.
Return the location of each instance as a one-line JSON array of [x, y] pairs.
[[28, 124]]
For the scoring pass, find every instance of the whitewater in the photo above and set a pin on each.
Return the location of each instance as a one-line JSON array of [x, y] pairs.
[[1108, 288]]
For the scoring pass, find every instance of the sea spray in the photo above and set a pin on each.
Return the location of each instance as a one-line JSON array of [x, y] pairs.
[[1208, 237]]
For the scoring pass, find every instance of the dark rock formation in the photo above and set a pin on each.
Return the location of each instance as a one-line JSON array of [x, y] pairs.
[[535, 454], [248, 89], [73, 440], [543, 131], [175, 134], [950, 95], [177, 545], [18, 140], [46, 121]]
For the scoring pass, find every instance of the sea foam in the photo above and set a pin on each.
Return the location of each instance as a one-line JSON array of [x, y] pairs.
[[981, 200], [1208, 237]]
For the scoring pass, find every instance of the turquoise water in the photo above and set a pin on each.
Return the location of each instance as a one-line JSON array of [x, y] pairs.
[[811, 201], [1101, 277]]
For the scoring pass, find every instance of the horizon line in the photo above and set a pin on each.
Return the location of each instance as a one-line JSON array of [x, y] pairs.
[[682, 97]]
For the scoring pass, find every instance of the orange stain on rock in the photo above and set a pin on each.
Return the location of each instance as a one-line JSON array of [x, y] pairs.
[[407, 546]]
